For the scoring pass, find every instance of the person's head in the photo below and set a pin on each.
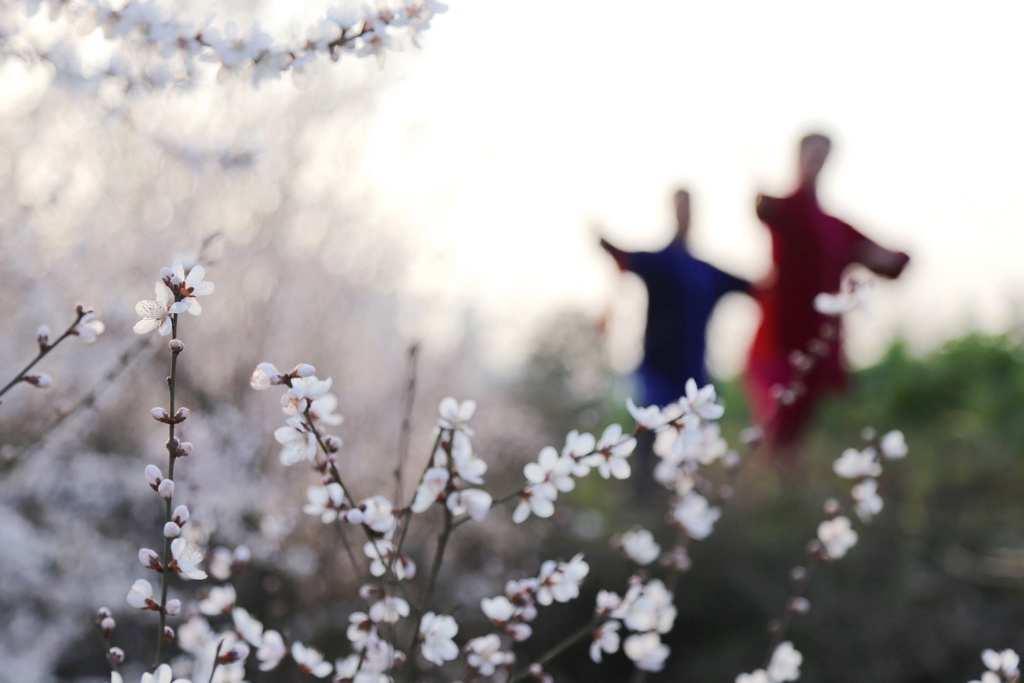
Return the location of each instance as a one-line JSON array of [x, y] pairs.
[[814, 149], [681, 199]]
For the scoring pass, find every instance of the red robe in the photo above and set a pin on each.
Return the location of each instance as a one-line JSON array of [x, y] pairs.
[[810, 252]]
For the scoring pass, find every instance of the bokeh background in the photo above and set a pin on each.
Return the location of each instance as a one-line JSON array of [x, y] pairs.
[[450, 197]]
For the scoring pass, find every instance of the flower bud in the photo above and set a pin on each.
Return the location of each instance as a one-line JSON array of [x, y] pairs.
[[332, 443], [173, 607], [153, 476], [303, 370], [166, 489], [80, 308], [43, 336], [182, 414], [103, 613], [171, 530], [236, 654], [115, 655], [160, 415], [107, 627], [149, 559], [354, 516], [184, 450], [168, 635], [176, 345], [797, 574], [799, 605], [180, 515], [242, 555], [40, 381], [832, 507]]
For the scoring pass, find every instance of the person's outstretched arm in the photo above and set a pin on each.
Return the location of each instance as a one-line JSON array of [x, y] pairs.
[[877, 258], [621, 257]]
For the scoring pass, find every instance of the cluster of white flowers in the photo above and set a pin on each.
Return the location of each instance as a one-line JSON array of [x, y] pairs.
[[156, 47], [308, 408], [176, 293], [784, 666], [1003, 667], [514, 611], [864, 466], [554, 471], [453, 466], [648, 611]]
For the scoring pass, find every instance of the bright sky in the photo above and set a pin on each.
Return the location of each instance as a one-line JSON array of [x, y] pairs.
[[519, 126]]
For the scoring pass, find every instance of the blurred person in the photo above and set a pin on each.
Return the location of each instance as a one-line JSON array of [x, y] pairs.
[[681, 294], [811, 250]]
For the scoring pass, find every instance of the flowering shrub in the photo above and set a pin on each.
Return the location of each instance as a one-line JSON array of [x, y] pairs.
[[634, 622]]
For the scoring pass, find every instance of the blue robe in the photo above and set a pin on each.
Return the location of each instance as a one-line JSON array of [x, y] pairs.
[[681, 294]]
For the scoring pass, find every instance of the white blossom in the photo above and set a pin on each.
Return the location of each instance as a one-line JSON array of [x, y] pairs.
[[648, 417], [612, 451], [498, 609], [163, 674], [431, 489], [378, 514], [486, 655], [456, 415], [646, 650], [647, 607], [271, 651], [537, 499], [88, 328], [553, 468], [560, 581], [695, 515], [141, 596], [303, 392], [265, 376], [220, 600], [310, 660], [1005, 662], [854, 464], [298, 443], [247, 626], [473, 502], [192, 286], [187, 557], [785, 663], [324, 501], [156, 314], [866, 500], [893, 445], [640, 546], [436, 632], [837, 536], [606, 639], [701, 402]]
